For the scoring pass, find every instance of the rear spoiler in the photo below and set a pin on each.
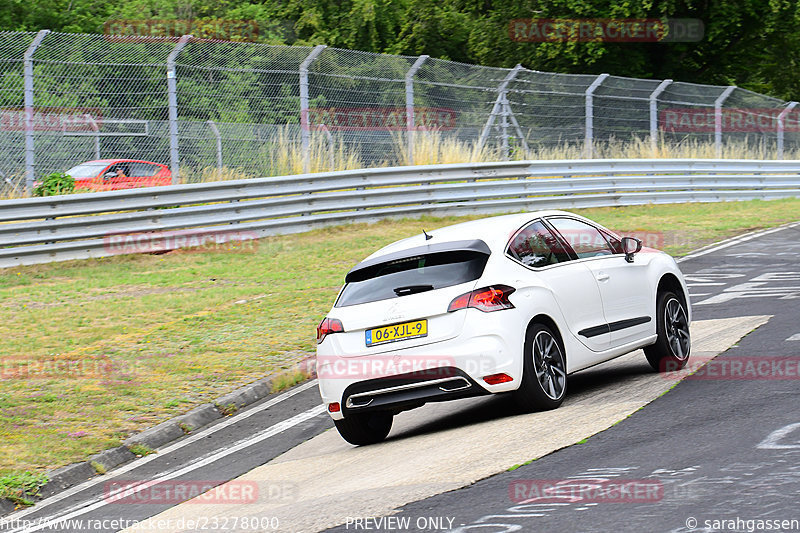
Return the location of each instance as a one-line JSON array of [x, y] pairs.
[[476, 246]]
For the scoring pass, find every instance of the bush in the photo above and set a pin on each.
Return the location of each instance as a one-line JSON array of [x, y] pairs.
[[55, 184]]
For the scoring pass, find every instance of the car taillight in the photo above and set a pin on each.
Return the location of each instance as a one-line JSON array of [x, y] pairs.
[[328, 326], [487, 299]]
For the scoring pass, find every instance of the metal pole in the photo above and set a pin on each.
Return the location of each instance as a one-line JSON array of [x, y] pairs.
[[718, 118], [215, 131], [654, 114], [172, 102], [516, 127], [30, 147], [96, 130], [781, 126], [305, 134], [504, 126], [589, 126], [498, 104], [410, 105]]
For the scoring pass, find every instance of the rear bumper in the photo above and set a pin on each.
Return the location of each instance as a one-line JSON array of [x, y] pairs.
[[463, 361], [407, 391]]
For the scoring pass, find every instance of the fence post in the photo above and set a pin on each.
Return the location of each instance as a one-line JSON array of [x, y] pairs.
[[588, 139], [305, 133], [410, 124], [172, 102], [782, 126], [30, 147], [654, 114], [96, 130], [498, 106], [215, 131], [718, 118]]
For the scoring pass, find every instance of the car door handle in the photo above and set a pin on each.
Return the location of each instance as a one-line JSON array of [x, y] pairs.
[[602, 276]]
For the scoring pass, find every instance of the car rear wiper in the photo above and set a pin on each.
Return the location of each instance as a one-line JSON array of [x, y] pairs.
[[412, 289]]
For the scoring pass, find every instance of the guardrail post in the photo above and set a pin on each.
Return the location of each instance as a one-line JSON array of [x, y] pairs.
[[305, 133], [718, 118], [30, 146], [589, 116], [654, 114], [212, 125], [172, 102], [410, 123], [782, 126], [498, 107]]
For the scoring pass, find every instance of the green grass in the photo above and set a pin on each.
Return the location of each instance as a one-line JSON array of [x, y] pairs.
[[21, 487], [141, 450], [96, 350]]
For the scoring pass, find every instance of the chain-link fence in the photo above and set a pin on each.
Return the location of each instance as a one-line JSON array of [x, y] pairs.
[[256, 110]]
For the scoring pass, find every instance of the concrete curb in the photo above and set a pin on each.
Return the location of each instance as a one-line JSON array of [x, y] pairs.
[[155, 437]]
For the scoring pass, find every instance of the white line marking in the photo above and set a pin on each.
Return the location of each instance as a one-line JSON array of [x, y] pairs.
[[795, 337], [169, 449], [772, 442], [103, 500], [735, 240]]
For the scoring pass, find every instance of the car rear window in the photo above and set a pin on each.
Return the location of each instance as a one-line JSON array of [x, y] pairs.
[[410, 275]]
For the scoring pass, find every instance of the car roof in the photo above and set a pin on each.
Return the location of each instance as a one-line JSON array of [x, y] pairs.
[[108, 161], [494, 231]]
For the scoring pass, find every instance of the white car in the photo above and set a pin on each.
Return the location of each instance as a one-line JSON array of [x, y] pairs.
[[508, 304]]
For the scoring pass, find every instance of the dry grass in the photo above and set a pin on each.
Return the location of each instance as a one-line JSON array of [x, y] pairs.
[[208, 174], [431, 148], [284, 154], [12, 187]]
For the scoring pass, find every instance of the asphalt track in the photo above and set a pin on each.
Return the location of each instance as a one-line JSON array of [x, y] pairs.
[[443, 466]]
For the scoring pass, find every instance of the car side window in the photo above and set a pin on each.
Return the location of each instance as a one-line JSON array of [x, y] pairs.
[[142, 170], [536, 246], [585, 239], [122, 170], [615, 243]]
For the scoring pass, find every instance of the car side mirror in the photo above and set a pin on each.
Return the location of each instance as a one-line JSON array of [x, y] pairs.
[[630, 246], [109, 175]]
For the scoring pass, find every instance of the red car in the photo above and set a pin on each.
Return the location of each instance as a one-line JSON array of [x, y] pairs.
[[112, 174]]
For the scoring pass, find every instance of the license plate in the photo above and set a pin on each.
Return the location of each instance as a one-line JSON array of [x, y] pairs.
[[397, 332]]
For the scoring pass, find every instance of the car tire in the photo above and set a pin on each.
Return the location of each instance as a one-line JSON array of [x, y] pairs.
[[544, 376], [673, 345], [366, 428]]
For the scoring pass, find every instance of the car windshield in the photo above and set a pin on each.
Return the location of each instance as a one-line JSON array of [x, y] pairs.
[[86, 170], [413, 274]]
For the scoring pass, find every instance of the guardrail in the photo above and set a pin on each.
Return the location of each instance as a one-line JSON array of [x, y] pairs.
[[40, 230]]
